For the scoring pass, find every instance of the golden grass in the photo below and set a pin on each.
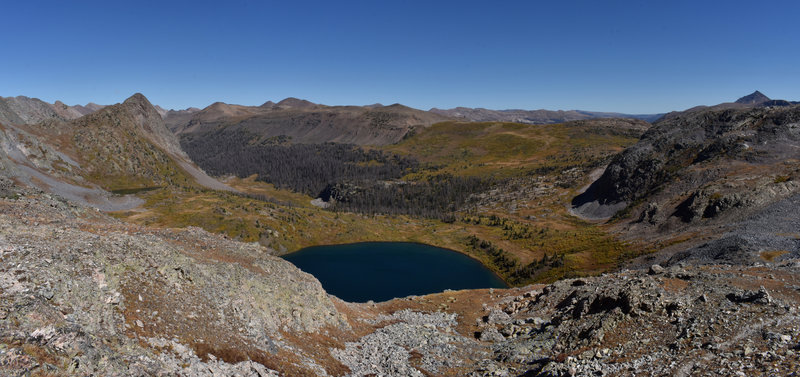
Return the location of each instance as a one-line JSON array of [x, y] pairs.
[[770, 256], [500, 150], [506, 149]]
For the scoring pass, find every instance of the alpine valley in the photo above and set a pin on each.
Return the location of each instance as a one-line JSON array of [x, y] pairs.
[[140, 241]]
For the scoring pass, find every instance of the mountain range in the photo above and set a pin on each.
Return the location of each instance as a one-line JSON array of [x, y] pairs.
[[277, 117], [306, 122]]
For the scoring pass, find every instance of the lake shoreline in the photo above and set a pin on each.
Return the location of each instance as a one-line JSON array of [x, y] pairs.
[[380, 271], [488, 267]]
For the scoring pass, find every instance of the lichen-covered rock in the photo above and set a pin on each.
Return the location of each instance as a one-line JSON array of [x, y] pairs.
[[83, 292]]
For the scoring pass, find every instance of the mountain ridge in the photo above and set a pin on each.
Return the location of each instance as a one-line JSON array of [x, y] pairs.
[[534, 116], [21, 110], [306, 122]]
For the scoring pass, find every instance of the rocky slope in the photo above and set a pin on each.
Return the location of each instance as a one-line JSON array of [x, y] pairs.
[[533, 116], [28, 161], [702, 163], [124, 146], [682, 321], [24, 110], [82, 294], [769, 234], [306, 122], [128, 140], [709, 185]]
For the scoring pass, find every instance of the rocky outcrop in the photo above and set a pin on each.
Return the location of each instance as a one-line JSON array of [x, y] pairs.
[[24, 110], [676, 321], [83, 294], [698, 148], [771, 232]]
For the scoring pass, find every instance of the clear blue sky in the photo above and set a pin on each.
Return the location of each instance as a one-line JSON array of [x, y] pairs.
[[627, 56]]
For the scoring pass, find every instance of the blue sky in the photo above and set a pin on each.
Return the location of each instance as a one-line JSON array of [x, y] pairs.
[[626, 56]]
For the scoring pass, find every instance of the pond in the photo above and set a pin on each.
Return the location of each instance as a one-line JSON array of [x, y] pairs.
[[380, 271]]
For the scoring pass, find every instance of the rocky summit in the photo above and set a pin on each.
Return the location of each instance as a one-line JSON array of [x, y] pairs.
[[754, 98]]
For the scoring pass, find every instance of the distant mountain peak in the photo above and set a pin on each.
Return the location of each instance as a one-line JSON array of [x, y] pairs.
[[753, 98], [296, 103]]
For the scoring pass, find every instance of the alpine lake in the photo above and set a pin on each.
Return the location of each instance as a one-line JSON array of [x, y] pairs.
[[381, 271]]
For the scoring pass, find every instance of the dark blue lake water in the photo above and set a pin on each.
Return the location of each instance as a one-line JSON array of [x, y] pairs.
[[381, 271]]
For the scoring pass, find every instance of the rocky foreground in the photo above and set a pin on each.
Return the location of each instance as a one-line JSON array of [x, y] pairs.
[[84, 294]]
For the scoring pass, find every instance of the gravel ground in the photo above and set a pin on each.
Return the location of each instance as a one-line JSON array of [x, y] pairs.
[[775, 228]]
